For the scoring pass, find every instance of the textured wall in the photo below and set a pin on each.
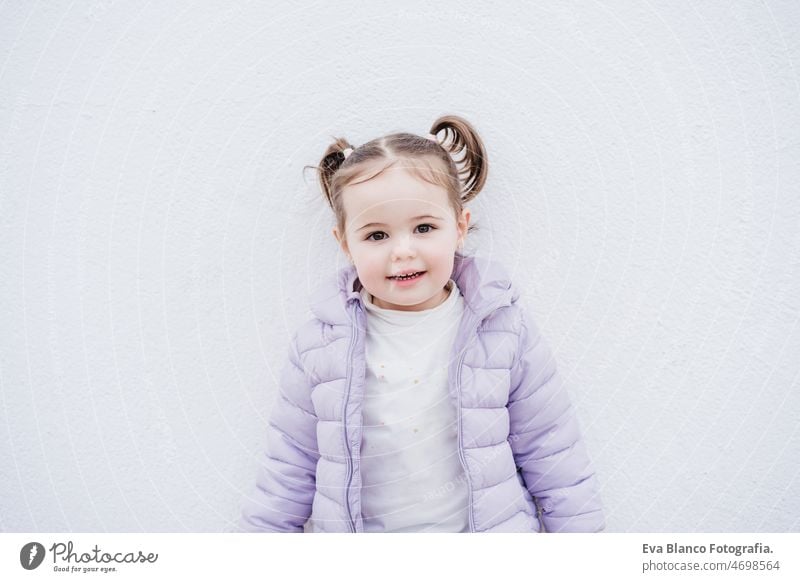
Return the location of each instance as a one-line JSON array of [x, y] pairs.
[[159, 240]]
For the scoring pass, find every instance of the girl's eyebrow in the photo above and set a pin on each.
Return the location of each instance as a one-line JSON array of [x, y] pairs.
[[412, 220]]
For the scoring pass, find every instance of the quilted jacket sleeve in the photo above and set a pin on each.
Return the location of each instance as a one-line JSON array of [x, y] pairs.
[[287, 474], [546, 441]]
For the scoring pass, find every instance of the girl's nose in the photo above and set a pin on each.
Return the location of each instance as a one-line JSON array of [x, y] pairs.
[[403, 248]]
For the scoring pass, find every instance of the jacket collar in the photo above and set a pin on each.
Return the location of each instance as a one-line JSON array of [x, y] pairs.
[[484, 284]]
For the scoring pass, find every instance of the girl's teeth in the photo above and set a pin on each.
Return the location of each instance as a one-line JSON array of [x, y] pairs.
[[402, 277]]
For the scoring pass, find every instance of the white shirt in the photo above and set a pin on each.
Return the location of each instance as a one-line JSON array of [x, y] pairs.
[[412, 478]]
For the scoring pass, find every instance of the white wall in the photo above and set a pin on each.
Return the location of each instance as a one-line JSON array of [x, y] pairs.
[[158, 239]]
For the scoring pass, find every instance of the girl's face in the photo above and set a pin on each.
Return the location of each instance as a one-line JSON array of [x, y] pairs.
[[397, 223]]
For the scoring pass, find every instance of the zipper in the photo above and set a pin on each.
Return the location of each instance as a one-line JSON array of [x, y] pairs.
[[539, 514], [460, 448], [351, 521], [461, 456]]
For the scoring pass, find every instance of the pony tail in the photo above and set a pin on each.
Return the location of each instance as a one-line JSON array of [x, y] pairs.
[[331, 162], [461, 138]]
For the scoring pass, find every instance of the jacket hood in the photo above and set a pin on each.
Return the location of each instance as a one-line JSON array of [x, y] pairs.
[[484, 284]]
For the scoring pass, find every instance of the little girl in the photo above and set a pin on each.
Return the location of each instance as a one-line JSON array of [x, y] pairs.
[[420, 397]]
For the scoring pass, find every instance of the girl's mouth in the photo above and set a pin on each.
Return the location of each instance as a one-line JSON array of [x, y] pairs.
[[411, 277]]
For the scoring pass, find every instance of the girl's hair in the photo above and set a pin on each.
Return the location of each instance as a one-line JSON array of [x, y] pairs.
[[432, 161]]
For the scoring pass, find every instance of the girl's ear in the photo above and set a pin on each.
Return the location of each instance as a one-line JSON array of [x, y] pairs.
[[342, 242], [463, 225]]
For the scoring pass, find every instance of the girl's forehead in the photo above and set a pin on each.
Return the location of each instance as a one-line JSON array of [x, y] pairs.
[[394, 190], [397, 210]]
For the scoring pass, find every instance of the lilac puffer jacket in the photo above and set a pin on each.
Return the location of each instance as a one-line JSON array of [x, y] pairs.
[[525, 464]]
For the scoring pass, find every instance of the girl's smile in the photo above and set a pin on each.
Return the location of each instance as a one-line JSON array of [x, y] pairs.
[[408, 280]]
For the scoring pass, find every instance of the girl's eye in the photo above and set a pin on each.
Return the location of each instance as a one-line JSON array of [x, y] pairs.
[[430, 228]]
